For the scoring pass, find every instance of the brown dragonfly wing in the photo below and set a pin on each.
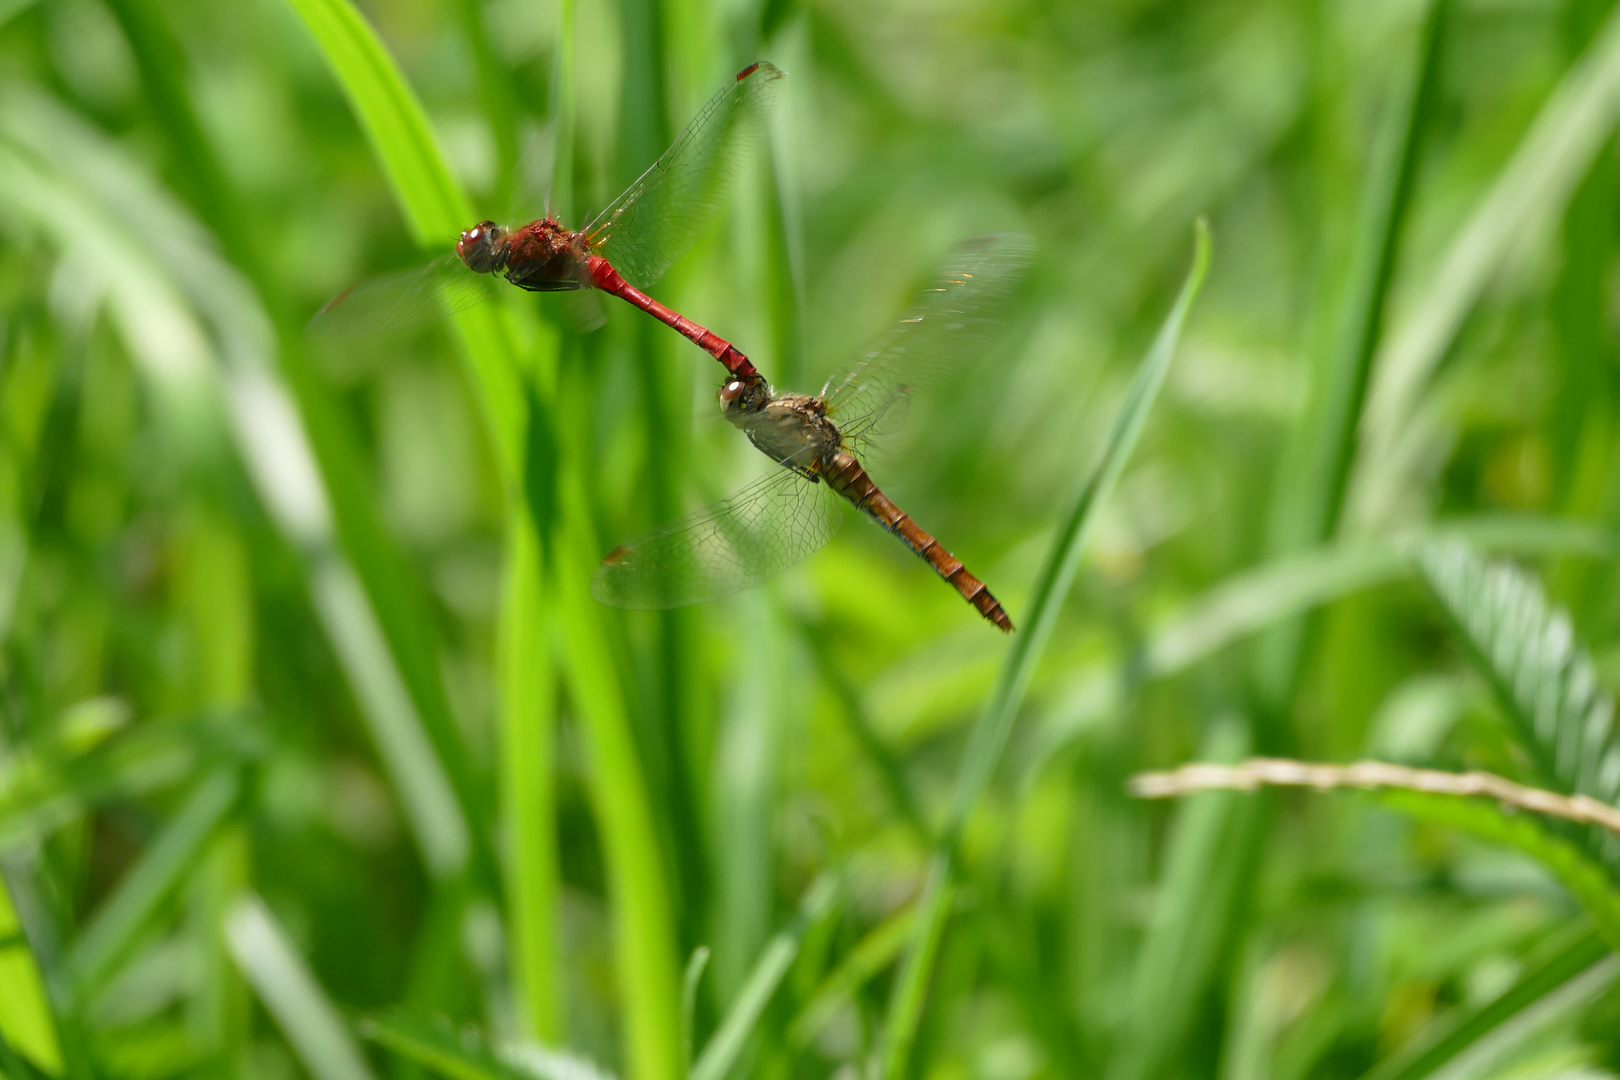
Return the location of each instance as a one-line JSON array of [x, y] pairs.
[[953, 321], [722, 549], [405, 299], [663, 213]]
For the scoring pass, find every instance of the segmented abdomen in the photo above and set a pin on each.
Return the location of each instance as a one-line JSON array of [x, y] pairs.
[[846, 476]]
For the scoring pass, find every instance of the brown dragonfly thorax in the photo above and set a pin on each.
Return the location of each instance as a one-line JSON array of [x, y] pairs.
[[793, 429], [543, 256]]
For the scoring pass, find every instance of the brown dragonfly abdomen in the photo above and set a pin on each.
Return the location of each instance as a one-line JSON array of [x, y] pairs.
[[846, 476]]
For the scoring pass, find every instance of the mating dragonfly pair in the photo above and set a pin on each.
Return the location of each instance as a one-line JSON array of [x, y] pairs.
[[818, 441]]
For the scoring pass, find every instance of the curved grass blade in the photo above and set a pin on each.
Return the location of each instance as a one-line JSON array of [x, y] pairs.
[[995, 723], [721, 1054], [1307, 510], [397, 128]]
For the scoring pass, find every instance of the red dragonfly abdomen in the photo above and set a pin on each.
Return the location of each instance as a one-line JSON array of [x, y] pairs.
[[609, 280], [846, 476]]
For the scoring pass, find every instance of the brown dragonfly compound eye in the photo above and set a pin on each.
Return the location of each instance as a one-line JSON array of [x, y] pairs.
[[731, 391]]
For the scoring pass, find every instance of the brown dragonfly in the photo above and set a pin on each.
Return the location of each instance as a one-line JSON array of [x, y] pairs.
[[820, 443], [624, 249]]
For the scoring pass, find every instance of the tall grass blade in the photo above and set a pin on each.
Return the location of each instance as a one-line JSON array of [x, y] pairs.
[[720, 1056], [26, 1022], [991, 731], [198, 334], [1573, 951], [1205, 869], [1308, 510], [528, 785], [114, 930], [434, 208], [397, 128], [1550, 161], [465, 1054], [291, 995]]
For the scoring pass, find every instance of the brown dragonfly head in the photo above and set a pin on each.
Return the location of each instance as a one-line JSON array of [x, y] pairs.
[[742, 396], [483, 247]]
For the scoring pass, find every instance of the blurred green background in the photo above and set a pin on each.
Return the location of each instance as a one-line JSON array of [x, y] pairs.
[[317, 759]]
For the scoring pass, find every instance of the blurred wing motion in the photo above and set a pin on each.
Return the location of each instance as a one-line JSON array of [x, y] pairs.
[[954, 321], [660, 215], [722, 549], [405, 299]]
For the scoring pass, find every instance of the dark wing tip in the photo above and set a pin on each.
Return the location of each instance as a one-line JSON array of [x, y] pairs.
[[765, 68], [616, 556]]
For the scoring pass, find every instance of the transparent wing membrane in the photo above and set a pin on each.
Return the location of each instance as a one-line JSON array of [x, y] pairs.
[[722, 549], [953, 321], [405, 299], [662, 214]]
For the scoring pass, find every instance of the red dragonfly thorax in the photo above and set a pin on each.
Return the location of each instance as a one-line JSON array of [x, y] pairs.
[[543, 255]]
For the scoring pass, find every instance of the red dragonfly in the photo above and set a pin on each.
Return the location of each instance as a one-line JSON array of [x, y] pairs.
[[820, 443], [625, 249]]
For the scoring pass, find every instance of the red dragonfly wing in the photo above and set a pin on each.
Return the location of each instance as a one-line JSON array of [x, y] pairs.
[[664, 212], [722, 549], [408, 298], [953, 321]]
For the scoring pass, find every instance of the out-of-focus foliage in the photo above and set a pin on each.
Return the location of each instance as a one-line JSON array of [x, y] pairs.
[[317, 759]]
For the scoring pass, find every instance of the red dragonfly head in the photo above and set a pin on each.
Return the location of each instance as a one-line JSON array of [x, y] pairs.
[[483, 247]]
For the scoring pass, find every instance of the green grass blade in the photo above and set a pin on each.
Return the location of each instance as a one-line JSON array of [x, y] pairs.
[[690, 983], [290, 994], [1307, 510], [528, 763], [26, 1016], [465, 1054], [991, 731], [648, 975], [1572, 952], [115, 928], [391, 119], [720, 1056], [1586, 879], [871, 954], [399, 134], [1204, 871], [433, 1044], [434, 206], [212, 367], [40, 792], [1550, 161]]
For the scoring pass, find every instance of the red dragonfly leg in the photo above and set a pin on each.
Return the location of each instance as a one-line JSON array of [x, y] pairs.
[[604, 277]]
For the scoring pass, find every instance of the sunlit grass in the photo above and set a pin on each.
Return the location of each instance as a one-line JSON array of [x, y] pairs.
[[317, 758]]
